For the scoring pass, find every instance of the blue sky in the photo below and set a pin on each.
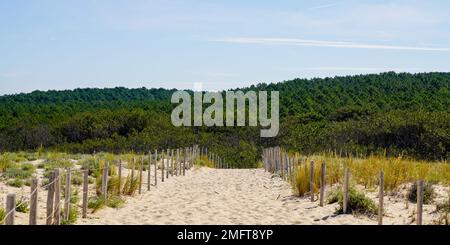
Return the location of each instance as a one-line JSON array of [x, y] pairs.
[[65, 44]]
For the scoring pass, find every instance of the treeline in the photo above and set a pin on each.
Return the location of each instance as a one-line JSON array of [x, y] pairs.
[[393, 113]]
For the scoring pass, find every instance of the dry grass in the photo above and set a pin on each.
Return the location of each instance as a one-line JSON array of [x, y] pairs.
[[365, 171]]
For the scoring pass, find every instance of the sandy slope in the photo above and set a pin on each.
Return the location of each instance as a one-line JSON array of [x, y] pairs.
[[218, 196]]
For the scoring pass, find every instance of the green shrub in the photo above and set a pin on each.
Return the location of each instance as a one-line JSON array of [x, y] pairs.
[[16, 183], [96, 203], [73, 215], [16, 172], [428, 193], [22, 206], [358, 203], [115, 202], [130, 186], [2, 215], [77, 179]]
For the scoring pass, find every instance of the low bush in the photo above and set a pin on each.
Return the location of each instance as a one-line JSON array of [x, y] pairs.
[[358, 203], [16, 183], [428, 193]]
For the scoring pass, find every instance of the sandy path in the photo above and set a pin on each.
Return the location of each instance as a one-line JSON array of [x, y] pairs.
[[220, 196]]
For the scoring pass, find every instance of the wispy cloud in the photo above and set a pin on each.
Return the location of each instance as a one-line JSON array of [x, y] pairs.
[[321, 43], [325, 6]]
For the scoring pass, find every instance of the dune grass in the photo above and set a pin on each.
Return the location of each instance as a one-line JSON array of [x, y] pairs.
[[365, 171]]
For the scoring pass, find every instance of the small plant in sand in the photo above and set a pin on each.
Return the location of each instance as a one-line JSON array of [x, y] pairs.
[[73, 215], [18, 183], [358, 203], [204, 162], [19, 171], [96, 203], [130, 186], [22, 205], [2, 215], [428, 193]]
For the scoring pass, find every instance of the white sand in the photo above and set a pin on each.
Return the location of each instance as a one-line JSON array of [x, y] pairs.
[[230, 197]]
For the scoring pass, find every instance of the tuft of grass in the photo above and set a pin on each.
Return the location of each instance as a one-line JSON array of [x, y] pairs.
[[2, 215], [428, 193], [115, 202], [23, 171], [204, 162], [22, 206], [130, 186], [96, 203], [16, 183], [73, 215], [358, 203]]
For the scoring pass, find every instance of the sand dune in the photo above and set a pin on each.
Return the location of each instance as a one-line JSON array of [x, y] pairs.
[[236, 196]]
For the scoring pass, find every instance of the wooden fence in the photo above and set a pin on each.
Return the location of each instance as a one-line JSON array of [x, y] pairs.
[[174, 162], [278, 161]]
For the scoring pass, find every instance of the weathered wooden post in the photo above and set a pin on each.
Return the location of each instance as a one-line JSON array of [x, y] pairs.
[[419, 201], [167, 164], [141, 169], [105, 181], [381, 199], [322, 184], [86, 190], [67, 195], [33, 201], [10, 209], [346, 189], [57, 214], [149, 170], [132, 168], [184, 162], [156, 167], [311, 181], [172, 160], [120, 179], [178, 171], [162, 165], [50, 198]]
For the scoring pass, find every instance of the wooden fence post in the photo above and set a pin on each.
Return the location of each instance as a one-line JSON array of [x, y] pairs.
[[33, 201], [149, 178], [172, 160], [57, 214], [381, 199], [10, 209], [156, 167], [50, 198], [105, 181], [178, 172], [162, 164], [120, 179], [141, 168], [184, 161], [419, 201], [322, 184], [311, 181], [67, 195], [168, 164], [346, 183], [85, 191]]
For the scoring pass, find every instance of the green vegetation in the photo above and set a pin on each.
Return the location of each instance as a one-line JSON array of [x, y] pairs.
[[2, 215], [358, 203], [428, 193], [22, 205], [390, 114], [73, 215]]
